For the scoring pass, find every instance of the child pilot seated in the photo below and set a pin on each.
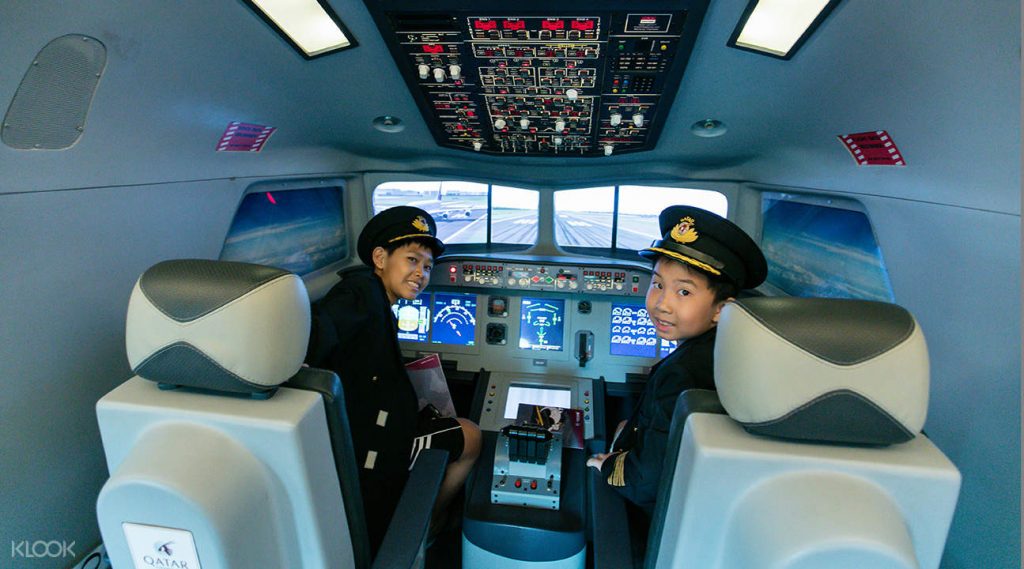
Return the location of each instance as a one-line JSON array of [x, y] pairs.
[[701, 262], [354, 334]]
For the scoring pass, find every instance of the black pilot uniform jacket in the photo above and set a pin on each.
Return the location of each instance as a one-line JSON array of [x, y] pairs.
[[355, 335], [634, 471]]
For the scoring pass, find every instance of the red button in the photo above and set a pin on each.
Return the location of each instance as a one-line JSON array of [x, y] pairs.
[[533, 485], [519, 483]]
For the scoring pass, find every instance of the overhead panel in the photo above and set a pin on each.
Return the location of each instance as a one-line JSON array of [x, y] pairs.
[[582, 79]]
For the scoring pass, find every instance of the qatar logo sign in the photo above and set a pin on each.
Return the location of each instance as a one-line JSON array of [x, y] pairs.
[[161, 547]]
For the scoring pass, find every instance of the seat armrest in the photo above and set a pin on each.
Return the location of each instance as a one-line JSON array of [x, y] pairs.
[[611, 538], [403, 543]]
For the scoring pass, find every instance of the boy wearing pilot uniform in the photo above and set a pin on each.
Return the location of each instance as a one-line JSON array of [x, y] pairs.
[[354, 333], [701, 262]]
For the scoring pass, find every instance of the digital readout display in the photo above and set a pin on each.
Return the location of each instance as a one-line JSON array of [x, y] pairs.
[[668, 346], [454, 319], [632, 332], [413, 318], [542, 324]]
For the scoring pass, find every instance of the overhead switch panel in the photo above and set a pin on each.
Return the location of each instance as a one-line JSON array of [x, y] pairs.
[[564, 83]]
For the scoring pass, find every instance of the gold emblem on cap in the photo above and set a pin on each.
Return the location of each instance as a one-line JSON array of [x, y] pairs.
[[684, 231], [421, 224]]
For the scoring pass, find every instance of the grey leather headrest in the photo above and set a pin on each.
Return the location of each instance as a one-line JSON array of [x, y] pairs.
[[831, 370], [217, 325]]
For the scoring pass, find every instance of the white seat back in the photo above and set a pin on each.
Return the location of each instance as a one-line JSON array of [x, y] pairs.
[[820, 462]]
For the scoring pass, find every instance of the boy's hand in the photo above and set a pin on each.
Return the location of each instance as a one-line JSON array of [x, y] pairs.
[[598, 459]]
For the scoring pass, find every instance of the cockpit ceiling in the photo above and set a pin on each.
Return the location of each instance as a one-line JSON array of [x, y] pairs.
[[580, 80]]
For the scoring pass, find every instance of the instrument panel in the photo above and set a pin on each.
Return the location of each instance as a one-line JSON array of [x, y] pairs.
[[585, 79], [524, 276], [522, 314]]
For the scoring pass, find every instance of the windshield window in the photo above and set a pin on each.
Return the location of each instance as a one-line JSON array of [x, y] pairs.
[[515, 215], [583, 217], [459, 208], [639, 207]]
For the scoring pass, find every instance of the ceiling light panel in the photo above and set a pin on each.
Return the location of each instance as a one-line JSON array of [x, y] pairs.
[[309, 25], [779, 27]]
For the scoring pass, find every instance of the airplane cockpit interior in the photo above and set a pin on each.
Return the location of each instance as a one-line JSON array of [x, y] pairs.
[[197, 195]]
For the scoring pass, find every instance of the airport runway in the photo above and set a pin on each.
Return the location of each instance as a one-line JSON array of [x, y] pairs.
[[572, 228]]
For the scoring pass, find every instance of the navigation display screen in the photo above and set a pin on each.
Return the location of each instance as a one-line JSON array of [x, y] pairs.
[[454, 319], [413, 318], [542, 324], [543, 396], [668, 346], [632, 332]]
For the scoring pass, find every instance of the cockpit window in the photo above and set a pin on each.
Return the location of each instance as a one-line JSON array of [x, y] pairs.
[[515, 215], [296, 230], [459, 208], [816, 250], [639, 207], [583, 217]]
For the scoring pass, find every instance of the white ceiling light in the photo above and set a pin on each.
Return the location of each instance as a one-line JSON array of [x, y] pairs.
[[309, 25], [779, 27]]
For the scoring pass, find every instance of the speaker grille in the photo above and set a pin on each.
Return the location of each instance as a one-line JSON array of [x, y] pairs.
[[49, 109]]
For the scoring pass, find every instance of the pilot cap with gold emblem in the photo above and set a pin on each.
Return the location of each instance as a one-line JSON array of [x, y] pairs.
[[711, 243], [397, 224]]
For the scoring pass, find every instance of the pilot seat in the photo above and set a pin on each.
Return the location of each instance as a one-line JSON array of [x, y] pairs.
[[225, 452], [810, 455]]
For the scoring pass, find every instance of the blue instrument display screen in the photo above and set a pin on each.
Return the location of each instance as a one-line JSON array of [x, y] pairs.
[[413, 318], [668, 346], [632, 332], [454, 319], [542, 324]]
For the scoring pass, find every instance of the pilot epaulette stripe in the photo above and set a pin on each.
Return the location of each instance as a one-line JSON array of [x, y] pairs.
[[618, 475]]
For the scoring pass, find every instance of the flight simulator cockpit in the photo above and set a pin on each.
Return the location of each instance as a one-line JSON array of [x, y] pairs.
[[541, 345]]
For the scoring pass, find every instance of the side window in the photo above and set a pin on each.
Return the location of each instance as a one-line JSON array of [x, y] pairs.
[[816, 250], [459, 208], [297, 230]]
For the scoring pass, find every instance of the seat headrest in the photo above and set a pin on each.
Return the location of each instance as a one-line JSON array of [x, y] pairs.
[[827, 370], [217, 325]]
